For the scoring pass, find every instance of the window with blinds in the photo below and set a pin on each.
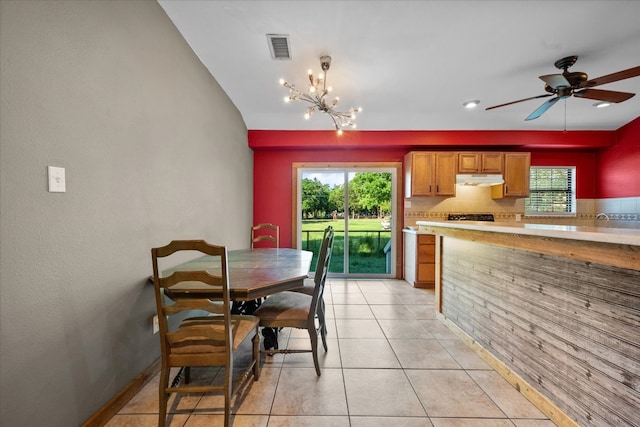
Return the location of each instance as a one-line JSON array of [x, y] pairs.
[[553, 191]]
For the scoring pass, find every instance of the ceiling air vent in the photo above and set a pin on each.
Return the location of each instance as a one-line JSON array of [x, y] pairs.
[[279, 46]]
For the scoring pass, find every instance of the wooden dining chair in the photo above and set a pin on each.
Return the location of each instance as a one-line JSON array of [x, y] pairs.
[[308, 287], [210, 340], [264, 235], [266, 232], [299, 310]]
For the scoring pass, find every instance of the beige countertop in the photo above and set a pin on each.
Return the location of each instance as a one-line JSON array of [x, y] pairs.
[[623, 236]]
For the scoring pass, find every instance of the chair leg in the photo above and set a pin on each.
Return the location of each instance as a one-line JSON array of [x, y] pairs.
[[163, 396], [227, 395], [323, 325], [256, 356], [313, 335]]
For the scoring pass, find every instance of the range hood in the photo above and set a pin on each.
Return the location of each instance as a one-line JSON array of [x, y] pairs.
[[479, 179]]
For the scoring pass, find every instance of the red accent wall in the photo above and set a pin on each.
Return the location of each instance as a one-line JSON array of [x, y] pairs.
[[276, 151], [499, 140], [273, 180], [619, 165]]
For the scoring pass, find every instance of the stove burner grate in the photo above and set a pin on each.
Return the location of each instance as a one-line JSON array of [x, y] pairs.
[[470, 217]]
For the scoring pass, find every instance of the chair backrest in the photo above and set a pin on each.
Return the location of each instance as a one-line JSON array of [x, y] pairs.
[[265, 232], [215, 280], [322, 268]]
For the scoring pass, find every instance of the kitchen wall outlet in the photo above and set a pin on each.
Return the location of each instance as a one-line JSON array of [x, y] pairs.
[[57, 182], [518, 217], [156, 324]]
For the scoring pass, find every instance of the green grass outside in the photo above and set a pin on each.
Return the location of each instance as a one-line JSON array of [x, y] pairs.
[[367, 240]]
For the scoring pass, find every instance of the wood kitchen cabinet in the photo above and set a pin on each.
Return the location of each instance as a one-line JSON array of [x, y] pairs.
[[516, 176], [420, 259], [480, 163], [430, 174], [418, 174]]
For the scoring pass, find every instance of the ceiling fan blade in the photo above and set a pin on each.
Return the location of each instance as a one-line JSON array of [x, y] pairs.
[[541, 109], [520, 100], [555, 80], [614, 77], [604, 95]]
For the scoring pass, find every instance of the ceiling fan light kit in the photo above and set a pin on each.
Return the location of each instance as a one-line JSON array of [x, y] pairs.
[[317, 98], [577, 84]]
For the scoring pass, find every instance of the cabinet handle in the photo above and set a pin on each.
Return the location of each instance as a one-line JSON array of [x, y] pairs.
[[437, 189], [506, 189], [429, 189]]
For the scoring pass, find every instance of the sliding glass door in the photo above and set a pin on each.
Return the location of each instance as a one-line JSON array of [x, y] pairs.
[[357, 202]]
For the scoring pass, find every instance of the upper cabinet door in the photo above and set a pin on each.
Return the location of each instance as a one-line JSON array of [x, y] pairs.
[[418, 174], [468, 162], [445, 178], [516, 174], [491, 163]]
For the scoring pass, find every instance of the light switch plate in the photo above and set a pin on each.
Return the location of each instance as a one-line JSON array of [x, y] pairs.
[[57, 182]]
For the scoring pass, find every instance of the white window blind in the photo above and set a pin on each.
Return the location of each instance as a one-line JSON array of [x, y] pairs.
[[553, 191]]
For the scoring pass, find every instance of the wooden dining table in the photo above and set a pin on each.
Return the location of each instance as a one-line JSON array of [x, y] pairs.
[[253, 273]]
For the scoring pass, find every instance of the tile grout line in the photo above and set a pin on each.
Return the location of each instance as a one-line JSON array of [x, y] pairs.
[[344, 383]]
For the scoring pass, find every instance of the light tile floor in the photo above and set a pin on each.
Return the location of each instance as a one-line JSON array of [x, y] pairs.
[[390, 363]]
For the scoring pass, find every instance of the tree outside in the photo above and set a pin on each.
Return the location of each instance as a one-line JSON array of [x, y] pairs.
[[369, 195]]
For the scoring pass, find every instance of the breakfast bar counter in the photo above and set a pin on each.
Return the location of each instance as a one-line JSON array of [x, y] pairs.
[[554, 309], [629, 236], [614, 246]]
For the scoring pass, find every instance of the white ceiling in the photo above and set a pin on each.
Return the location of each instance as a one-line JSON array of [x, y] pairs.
[[411, 64]]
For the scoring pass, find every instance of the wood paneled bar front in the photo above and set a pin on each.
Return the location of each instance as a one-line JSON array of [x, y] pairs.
[[554, 309]]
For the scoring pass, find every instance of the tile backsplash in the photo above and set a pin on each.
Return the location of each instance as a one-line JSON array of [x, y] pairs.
[[622, 212]]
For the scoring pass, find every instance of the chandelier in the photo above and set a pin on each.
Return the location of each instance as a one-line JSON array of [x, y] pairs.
[[317, 97]]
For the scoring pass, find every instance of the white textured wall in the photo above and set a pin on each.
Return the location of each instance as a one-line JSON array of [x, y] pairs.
[[153, 150]]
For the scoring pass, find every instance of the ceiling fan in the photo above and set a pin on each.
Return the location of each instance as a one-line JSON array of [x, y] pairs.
[[576, 84]]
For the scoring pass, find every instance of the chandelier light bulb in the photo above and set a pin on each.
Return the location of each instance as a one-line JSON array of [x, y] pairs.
[[281, 82], [287, 99], [339, 132], [308, 113]]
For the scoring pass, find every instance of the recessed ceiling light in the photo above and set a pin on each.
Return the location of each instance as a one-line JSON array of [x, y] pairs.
[[601, 104], [471, 104]]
